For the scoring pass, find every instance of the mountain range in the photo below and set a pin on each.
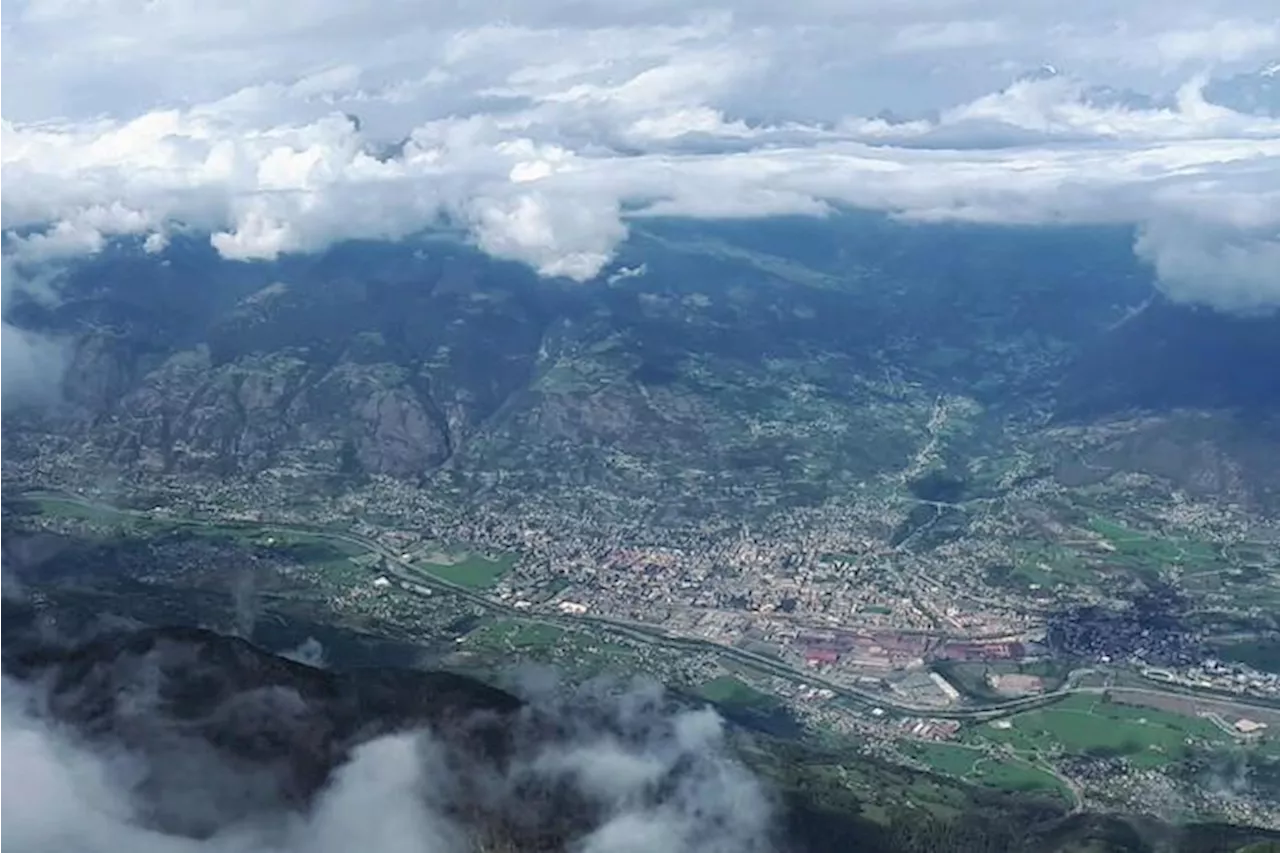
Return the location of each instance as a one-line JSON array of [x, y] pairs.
[[792, 359], [716, 371]]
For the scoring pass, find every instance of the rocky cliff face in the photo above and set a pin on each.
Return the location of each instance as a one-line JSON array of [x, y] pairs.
[[729, 361], [380, 377]]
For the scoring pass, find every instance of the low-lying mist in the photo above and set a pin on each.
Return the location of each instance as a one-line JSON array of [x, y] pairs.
[[97, 759]]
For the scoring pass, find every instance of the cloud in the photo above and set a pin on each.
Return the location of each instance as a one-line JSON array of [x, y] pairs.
[[1230, 270], [642, 773], [310, 652], [1220, 41], [545, 130], [32, 364], [61, 793], [949, 35]]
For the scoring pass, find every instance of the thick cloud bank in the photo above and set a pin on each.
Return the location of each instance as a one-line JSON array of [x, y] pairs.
[[544, 133], [645, 781], [62, 795], [32, 364]]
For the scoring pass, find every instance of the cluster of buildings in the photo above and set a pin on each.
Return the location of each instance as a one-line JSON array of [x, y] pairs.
[[919, 728], [1220, 676], [997, 650], [874, 650]]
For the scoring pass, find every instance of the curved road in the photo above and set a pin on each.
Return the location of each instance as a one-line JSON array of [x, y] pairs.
[[644, 632]]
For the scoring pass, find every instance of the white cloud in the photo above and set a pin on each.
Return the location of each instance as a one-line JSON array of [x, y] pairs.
[[31, 364], [1233, 271], [539, 131], [949, 35], [1221, 41], [657, 776], [562, 236]]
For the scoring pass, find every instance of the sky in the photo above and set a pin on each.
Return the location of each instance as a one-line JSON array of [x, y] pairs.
[[545, 127]]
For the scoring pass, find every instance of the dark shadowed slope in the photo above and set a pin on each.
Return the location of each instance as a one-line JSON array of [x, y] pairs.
[[221, 734]]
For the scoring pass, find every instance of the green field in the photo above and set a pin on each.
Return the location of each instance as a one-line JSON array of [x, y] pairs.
[[973, 765], [474, 571], [1138, 548], [730, 690], [54, 506], [518, 634], [1085, 725], [949, 758], [329, 553], [1018, 776], [332, 557], [1040, 565], [505, 639], [250, 532], [1048, 563]]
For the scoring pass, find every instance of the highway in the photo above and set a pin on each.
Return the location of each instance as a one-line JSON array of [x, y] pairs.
[[643, 632]]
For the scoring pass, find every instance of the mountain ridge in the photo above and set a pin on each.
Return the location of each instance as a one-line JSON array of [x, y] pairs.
[[422, 363]]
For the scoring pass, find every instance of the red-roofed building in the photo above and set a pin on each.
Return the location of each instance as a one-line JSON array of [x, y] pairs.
[[815, 656]]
